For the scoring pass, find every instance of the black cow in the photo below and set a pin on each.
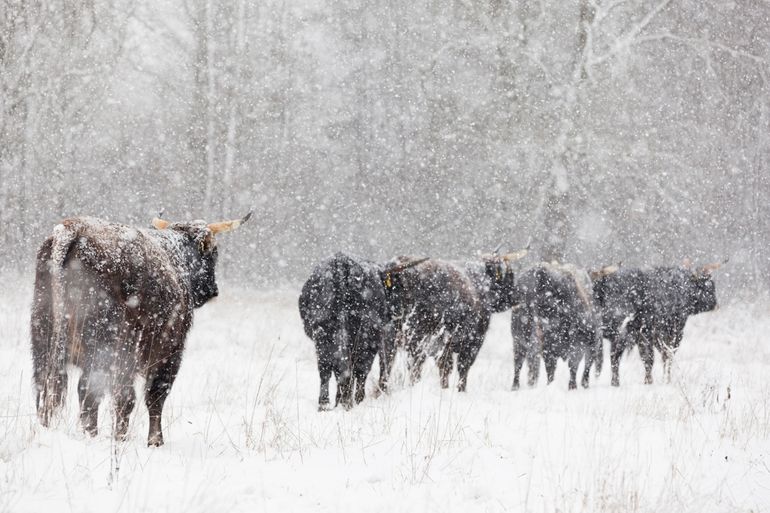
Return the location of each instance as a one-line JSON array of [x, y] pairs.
[[554, 317], [346, 312], [117, 302], [446, 309], [649, 307]]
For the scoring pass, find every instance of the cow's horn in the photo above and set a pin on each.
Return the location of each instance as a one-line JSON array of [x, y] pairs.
[[516, 255], [406, 265], [710, 268], [160, 224], [228, 226], [604, 271]]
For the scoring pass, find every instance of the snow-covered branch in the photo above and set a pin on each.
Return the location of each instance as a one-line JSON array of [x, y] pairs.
[[627, 39]]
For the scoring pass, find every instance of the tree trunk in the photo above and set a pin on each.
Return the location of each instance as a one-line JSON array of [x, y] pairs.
[[566, 158]]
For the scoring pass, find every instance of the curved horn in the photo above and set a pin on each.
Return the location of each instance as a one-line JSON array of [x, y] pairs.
[[604, 271], [397, 268], [516, 255], [228, 226], [710, 268], [160, 224]]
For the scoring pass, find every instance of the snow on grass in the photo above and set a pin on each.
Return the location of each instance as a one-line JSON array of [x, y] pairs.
[[243, 434]]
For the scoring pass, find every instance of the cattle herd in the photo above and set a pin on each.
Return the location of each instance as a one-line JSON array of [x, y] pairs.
[[355, 309], [118, 302]]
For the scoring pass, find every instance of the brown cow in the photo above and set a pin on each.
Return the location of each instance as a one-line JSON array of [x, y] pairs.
[[446, 308], [118, 302]]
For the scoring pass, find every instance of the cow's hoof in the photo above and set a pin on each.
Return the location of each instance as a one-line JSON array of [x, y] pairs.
[[572, 386], [155, 441], [514, 387]]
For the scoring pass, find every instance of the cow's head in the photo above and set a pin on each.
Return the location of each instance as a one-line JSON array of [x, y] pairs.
[[703, 292], [200, 253], [392, 280], [500, 277]]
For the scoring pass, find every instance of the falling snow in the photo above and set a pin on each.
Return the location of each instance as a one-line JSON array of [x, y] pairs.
[[596, 133]]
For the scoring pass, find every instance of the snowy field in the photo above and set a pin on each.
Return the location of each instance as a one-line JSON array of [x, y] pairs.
[[243, 434]]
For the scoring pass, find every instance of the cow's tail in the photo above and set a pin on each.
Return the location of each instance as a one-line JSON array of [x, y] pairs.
[[52, 390], [598, 353]]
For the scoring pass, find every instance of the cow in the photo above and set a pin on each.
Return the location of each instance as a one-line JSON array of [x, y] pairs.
[[446, 309], [117, 302], [555, 318], [345, 311], [649, 308]]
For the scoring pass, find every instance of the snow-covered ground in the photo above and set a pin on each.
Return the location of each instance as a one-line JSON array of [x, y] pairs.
[[243, 434]]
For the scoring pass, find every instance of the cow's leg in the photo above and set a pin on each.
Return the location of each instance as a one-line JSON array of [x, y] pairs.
[[325, 361], [343, 373], [90, 395], [616, 351], [124, 400], [387, 355], [445, 362], [648, 358], [465, 359], [573, 362], [598, 356], [533, 367], [361, 367], [665, 355], [325, 373], [589, 359], [519, 353], [344, 389], [382, 382], [534, 351], [362, 364], [415, 362], [550, 365], [585, 381], [156, 390], [360, 389]]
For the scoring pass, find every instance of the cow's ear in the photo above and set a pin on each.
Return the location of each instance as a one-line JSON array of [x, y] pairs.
[[207, 243], [387, 280]]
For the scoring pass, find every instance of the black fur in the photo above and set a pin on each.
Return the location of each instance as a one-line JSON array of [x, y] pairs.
[[554, 318], [345, 312], [650, 308]]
